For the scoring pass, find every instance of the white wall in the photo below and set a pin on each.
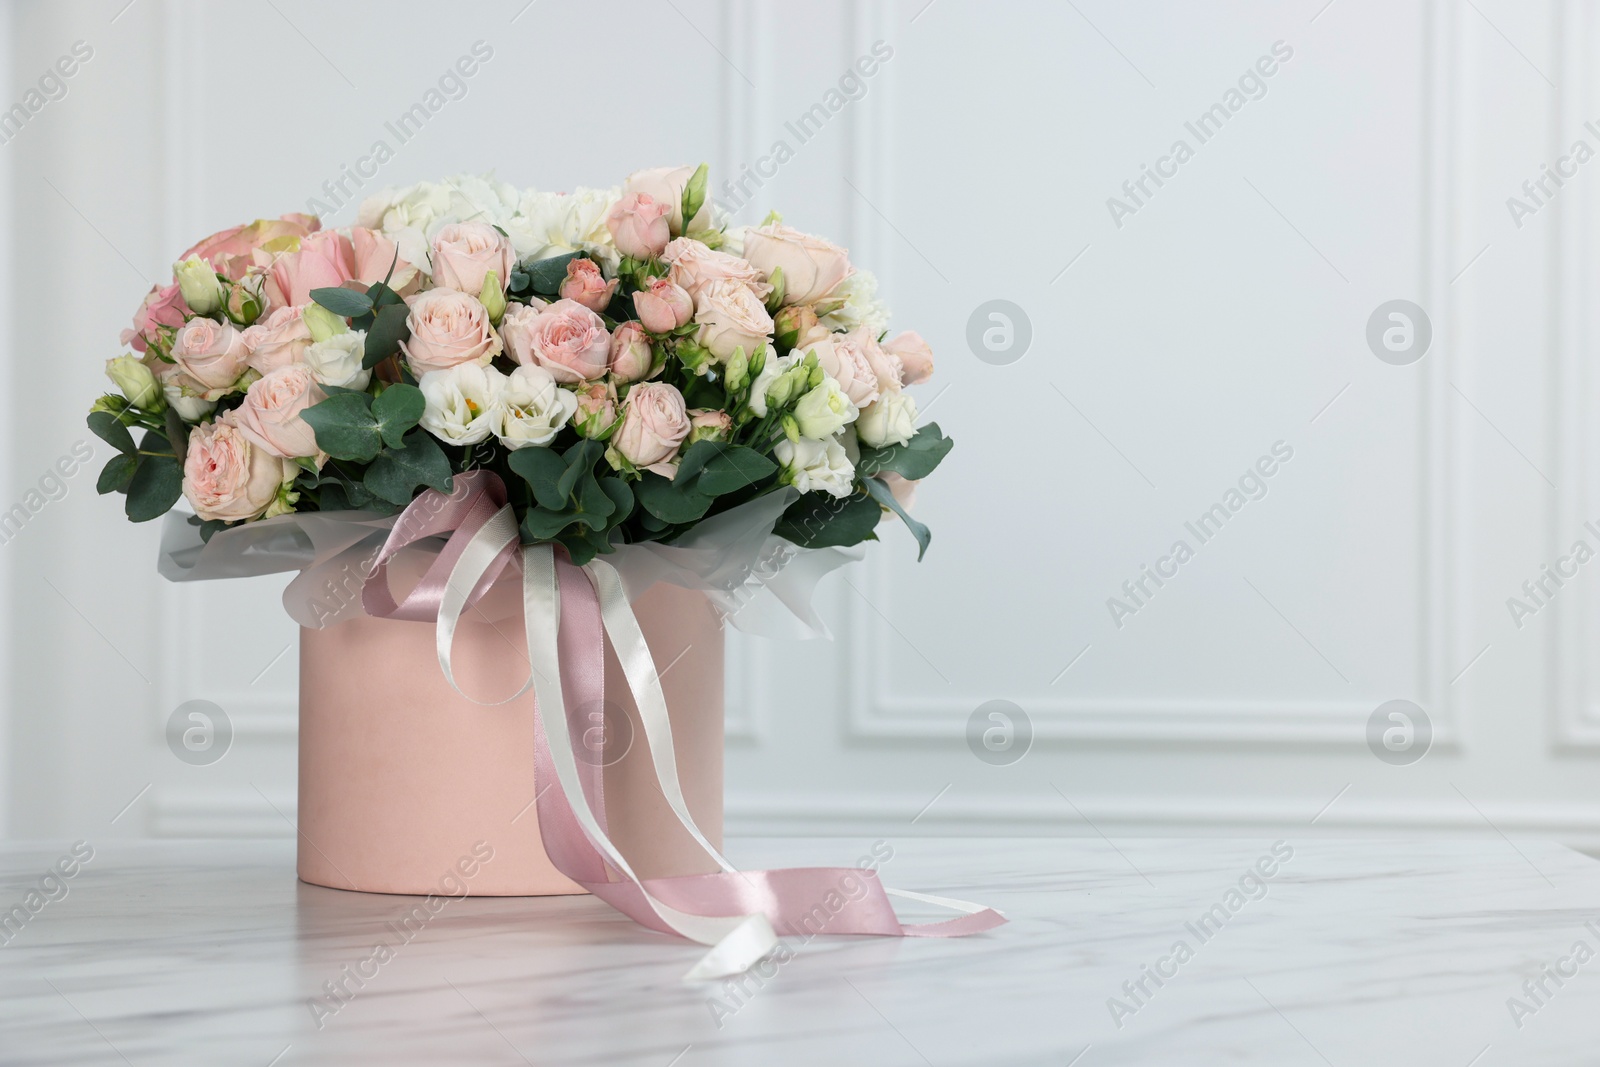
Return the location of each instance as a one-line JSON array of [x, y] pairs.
[[1228, 313]]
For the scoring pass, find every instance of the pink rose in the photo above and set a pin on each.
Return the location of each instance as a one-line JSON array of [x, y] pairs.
[[227, 477], [640, 225], [374, 253], [597, 409], [663, 306], [565, 338], [210, 352], [694, 266], [278, 340], [709, 424], [916, 358], [654, 424], [270, 414], [326, 260], [731, 316], [231, 251], [161, 307], [842, 360], [886, 366], [465, 252], [665, 185], [631, 357], [585, 284], [448, 328], [811, 266]]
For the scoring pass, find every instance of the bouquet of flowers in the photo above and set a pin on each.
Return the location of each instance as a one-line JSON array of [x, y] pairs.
[[624, 360]]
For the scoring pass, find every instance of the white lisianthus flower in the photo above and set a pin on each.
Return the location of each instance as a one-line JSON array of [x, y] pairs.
[[817, 466], [861, 305], [774, 366], [552, 224], [337, 361], [824, 411], [461, 402], [531, 408], [889, 420]]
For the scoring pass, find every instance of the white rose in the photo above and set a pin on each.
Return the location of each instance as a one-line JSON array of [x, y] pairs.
[[774, 366], [531, 408], [461, 402], [861, 305], [817, 466], [889, 420], [198, 283], [337, 361], [824, 411]]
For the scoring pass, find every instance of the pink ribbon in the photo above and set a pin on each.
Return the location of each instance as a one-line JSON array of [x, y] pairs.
[[790, 899]]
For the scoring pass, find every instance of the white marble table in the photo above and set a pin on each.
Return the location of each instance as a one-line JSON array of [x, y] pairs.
[[1350, 953]]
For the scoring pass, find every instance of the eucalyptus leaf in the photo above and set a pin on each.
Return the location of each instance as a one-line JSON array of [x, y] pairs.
[[388, 329], [346, 303], [109, 428], [911, 461], [397, 410], [117, 473], [397, 473], [156, 485], [542, 470], [668, 502], [881, 493], [546, 275], [818, 520]]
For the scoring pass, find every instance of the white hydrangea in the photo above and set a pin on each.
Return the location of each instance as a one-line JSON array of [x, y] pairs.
[[861, 305]]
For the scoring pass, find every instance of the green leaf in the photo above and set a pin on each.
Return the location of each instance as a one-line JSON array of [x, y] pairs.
[[546, 275], [397, 472], [542, 524], [209, 528], [733, 468], [388, 329], [911, 461], [594, 504], [346, 303], [397, 410], [542, 470], [178, 434], [117, 473], [818, 520], [110, 429], [345, 427], [669, 503], [156, 483], [621, 499], [880, 492], [580, 459]]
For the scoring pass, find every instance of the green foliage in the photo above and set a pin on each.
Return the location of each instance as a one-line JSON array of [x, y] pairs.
[[117, 473], [110, 429], [353, 426], [384, 334], [156, 482], [911, 461], [344, 302], [571, 504], [818, 520], [397, 473], [879, 491], [715, 468]]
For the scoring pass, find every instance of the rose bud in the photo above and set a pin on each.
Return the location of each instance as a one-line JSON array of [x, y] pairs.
[[640, 225], [585, 284], [663, 306], [709, 424], [130, 374], [631, 357], [597, 410], [794, 322]]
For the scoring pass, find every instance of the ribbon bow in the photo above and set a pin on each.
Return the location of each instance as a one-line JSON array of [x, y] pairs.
[[568, 612]]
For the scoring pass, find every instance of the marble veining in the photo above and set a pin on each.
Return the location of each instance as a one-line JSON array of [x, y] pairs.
[[1347, 953]]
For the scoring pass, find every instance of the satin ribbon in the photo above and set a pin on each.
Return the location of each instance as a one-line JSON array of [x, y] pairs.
[[568, 614]]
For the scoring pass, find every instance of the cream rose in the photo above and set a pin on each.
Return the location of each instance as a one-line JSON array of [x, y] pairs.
[[891, 420], [811, 266], [817, 466], [842, 359], [465, 253], [461, 402], [654, 424], [530, 408], [565, 338], [663, 306], [731, 316], [337, 361], [448, 328], [278, 340], [212, 353], [227, 477], [585, 284], [270, 414]]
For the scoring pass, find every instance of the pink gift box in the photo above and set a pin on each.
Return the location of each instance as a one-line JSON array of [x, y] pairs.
[[403, 781]]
